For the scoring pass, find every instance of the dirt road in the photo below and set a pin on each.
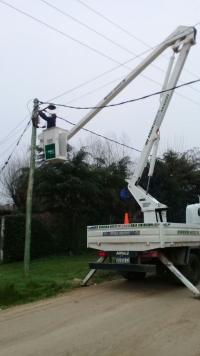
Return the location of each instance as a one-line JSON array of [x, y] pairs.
[[123, 318]]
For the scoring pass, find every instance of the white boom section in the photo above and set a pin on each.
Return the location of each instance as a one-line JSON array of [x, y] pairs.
[[183, 37], [181, 33], [146, 201], [167, 75]]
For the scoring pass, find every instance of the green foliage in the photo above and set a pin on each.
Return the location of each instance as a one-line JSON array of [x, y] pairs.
[[83, 194], [50, 234], [176, 182], [49, 276], [75, 194], [71, 195], [14, 237], [76, 188]]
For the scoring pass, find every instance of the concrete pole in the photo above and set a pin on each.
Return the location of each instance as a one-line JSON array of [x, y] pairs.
[[30, 191]]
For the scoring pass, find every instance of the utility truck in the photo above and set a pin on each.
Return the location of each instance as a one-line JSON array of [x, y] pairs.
[[156, 244]]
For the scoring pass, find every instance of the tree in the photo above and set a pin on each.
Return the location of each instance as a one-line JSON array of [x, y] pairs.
[[176, 182], [107, 151], [76, 189], [14, 178], [90, 191]]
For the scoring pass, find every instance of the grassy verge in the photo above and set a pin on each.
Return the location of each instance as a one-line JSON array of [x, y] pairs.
[[48, 277]]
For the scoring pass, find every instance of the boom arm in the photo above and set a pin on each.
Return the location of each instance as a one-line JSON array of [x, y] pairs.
[[148, 204], [181, 41], [180, 34]]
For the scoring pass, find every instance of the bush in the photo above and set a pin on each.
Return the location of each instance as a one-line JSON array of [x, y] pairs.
[[14, 238], [50, 235]]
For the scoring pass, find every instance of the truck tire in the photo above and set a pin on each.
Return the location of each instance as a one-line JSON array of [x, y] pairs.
[[192, 270], [133, 276], [137, 276], [125, 275]]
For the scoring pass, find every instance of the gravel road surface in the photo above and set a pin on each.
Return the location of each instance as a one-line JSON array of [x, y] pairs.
[[152, 317]]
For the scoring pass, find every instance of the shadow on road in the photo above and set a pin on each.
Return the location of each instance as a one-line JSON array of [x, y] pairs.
[[152, 284]]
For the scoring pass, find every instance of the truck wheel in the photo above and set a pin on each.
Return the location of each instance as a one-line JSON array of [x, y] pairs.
[[125, 275], [192, 270], [133, 276], [137, 276], [160, 268]]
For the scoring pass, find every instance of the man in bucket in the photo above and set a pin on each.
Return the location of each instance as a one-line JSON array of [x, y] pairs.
[[51, 120]]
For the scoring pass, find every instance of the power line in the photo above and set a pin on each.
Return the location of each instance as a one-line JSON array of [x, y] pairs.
[[91, 29], [120, 64], [89, 81], [79, 86], [91, 49], [103, 86], [105, 37], [106, 138], [129, 33], [18, 141], [11, 136], [8, 148], [123, 102], [62, 33], [80, 97], [13, 130], [115, 43], [4, 140], [138, 56], [112, 22]]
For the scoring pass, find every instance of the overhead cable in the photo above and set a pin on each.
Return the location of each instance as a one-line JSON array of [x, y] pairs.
[[17, 143], [11, 136], [80, 97], [4, 140], [120, 64], [115, 43], [129, 33], [106, 138], [62, 33], [123, 102]]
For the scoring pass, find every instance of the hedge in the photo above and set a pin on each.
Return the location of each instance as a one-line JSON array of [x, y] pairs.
[[14, 237], [50, 235]]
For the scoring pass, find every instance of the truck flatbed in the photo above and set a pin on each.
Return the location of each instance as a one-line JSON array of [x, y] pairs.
[[141, 236]]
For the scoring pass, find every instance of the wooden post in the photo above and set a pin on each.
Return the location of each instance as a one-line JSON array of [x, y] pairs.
[[2, 238], [30, 191]]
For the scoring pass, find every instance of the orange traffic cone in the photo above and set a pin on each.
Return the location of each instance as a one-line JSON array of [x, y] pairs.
[[126, 219]]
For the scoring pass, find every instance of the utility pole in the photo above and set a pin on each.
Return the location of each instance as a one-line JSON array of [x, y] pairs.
[[30, 190]]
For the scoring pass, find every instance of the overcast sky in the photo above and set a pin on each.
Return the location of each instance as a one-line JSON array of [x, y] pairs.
[[38, 61]]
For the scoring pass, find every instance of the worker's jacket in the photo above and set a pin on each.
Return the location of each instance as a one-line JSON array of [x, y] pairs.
[[51, 122]]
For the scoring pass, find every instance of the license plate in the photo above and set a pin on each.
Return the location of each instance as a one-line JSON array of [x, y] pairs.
[[123, 260]]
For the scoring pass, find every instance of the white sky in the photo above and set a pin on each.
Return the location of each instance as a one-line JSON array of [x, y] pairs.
[[37, 61]]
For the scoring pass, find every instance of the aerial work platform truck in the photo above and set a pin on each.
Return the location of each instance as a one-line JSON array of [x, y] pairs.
[[155, 245]]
